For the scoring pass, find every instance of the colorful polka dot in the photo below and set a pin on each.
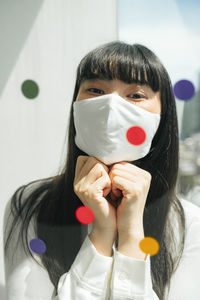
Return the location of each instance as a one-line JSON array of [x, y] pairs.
[[30, 89], [84, 215], [184, 90], [149, 245], [37, 246], [136, 135]]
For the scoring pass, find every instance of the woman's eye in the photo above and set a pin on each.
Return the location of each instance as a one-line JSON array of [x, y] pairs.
[[96, 91], [136, 96]]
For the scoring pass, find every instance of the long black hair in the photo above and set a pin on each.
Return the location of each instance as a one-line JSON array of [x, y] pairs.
[[55, 211]]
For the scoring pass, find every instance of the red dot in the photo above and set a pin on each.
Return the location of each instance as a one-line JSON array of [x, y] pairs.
[[84, 215], [136, 135]]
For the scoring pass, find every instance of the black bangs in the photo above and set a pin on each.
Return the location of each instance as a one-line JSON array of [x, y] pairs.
[[117, 60]]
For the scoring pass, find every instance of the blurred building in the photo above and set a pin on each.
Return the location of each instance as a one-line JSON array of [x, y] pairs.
[[188, 184], [191, 114]]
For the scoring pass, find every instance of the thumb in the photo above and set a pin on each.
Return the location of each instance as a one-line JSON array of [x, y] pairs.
[[103, 184]]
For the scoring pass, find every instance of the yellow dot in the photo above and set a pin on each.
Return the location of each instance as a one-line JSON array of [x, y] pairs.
[[149, 245]]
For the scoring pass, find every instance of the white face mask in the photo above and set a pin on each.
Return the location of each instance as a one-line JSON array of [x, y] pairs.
[[107, 128]]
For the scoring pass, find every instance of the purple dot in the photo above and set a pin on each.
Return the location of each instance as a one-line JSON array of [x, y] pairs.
[[37, 246], [184, 90]]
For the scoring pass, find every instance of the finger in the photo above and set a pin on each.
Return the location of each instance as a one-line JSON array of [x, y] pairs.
[[96, 172], [89, 164], [133, 170], [124, 174], [127, 167], [103, 184], [91, 161], [122, 184], [121, 173], [81, 160]]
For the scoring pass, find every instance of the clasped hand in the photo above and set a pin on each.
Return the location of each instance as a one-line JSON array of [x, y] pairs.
[[126, 184]]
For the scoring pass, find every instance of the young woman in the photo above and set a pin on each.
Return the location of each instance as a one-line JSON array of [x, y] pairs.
[[122, 163]]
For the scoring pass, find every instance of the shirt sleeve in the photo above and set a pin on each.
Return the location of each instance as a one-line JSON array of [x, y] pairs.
[[28, 279], [88, 277], [131, 279]]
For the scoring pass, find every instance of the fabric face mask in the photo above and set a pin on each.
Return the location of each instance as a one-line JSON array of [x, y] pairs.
[[111, 129]]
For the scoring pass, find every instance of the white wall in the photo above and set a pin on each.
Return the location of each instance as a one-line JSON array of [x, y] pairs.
[[43, 41]]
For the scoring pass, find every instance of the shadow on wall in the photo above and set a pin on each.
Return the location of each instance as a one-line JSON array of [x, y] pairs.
[[2, 292], [16, 21]]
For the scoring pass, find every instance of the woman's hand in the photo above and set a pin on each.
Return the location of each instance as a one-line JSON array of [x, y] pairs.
[[133, 184], [92, 184]]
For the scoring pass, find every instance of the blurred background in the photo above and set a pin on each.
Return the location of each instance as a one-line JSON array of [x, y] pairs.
[[172, 29], [42, 42]]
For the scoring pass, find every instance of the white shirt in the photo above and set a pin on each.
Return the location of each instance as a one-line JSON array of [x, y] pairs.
[[93, 276]]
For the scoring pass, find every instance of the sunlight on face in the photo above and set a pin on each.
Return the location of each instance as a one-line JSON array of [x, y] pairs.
[[140, 95]]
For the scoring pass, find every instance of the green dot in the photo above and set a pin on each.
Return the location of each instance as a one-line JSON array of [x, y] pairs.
[[30, 89]]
